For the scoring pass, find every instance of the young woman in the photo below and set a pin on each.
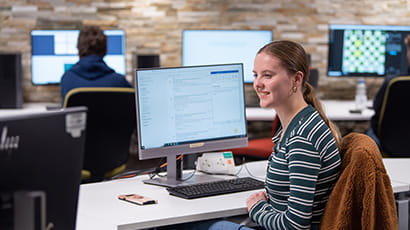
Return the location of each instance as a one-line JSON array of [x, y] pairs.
[[305, 163]]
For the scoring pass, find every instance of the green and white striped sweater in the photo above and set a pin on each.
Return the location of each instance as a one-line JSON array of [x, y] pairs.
[[301, 173]]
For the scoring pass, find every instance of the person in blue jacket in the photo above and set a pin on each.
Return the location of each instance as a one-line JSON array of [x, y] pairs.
[[91, 70]]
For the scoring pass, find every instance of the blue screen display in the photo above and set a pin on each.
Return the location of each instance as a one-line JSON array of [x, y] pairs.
[[55, 51]]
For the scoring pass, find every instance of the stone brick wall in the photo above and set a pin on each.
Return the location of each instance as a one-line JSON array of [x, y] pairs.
[[155, 27]]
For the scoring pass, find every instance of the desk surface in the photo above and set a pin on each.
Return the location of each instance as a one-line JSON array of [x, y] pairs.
[[99, 202], [398, 169], [99, 207], [336, 110]]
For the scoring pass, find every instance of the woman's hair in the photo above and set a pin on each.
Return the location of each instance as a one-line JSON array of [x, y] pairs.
[[293, 58], [92, 40]]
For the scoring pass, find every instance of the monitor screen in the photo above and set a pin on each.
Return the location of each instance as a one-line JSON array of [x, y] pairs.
[[55, 51], [204, 47], [185, 110], [367, 50], [47, 162]]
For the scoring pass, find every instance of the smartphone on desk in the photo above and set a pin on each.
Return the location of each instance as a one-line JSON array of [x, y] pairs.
[[137, 199]]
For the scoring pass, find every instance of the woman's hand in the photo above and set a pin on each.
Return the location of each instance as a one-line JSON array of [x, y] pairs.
[[254, 198]]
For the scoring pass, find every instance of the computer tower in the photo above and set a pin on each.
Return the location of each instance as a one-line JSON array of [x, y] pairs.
[[147, 61], [314, 77], [10, 81]]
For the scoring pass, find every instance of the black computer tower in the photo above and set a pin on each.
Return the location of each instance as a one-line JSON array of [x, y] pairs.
[[147, 61], [10, 81]]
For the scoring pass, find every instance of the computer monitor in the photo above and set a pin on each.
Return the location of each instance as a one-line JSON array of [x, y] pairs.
[[204, 47], [55, 51], [186, 110], [367, 50], [41, 153]]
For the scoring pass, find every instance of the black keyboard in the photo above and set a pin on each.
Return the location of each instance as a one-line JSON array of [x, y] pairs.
[[216, 187]]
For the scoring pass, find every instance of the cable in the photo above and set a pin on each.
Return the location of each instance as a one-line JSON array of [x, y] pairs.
[[157, 171], [162, 166], [189, 177], [250, 174], [132, 173], [244, 165], [166, 163]]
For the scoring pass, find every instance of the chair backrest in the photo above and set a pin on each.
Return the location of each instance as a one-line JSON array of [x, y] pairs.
[[394, 122], [110, 124], [362, 198]]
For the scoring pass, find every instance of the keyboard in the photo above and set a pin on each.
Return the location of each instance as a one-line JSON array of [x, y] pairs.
[[216, 188]]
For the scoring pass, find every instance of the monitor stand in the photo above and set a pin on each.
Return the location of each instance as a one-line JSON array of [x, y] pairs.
[[30, 210], [175, 176]]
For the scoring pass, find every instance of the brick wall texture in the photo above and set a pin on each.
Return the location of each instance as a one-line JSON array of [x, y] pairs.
[[155, 27]]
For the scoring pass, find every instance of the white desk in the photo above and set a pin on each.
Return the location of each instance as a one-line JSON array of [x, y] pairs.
[[99, 207], [336, 110], [99, 202], [399, 172], [398, 169]]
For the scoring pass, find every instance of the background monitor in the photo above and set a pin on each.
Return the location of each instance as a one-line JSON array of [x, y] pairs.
[[41, 152], [55, 51], [11, 95], [186, 110], [203, 47], [147, 60], [367, 50]]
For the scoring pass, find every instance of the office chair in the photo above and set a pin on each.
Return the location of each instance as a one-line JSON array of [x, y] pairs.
[[257, 149], [110, 124], [362, 198], [394, 122]]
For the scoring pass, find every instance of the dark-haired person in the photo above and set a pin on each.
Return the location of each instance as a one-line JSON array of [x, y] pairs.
[[91, 70], [378, 98]]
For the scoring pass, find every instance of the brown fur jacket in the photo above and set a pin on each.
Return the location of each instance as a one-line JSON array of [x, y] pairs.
[[363, 196]]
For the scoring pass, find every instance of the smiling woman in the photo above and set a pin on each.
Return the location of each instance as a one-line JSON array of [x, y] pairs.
[[305, 163], [281, 81], [273, 85]]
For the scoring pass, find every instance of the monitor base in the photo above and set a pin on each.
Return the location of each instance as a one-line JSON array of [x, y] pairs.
[[195, 179]]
